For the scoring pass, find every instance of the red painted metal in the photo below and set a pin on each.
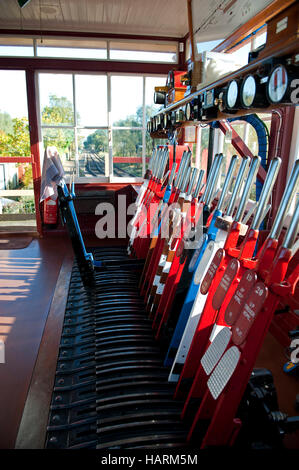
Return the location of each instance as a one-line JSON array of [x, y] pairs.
[[34, 144], [143, 241], [15, 159], [209, 314], [240, 146], [279, 145], [156, 254], [222, 429], [165, 303], [246, 284], [128, 159]]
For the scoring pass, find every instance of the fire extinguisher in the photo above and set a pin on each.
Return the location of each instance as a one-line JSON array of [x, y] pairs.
[[50, 211]]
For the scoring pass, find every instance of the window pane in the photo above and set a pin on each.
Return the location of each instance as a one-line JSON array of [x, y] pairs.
[[126, 93], [14, 130], [150, 83], [127, 153], [260, 39], [63, 140], [56, 99], [206, 46], [93, 152], [143, 56], [91, 100], [147, 52], [17, 209], [19, 47], [72, 48]]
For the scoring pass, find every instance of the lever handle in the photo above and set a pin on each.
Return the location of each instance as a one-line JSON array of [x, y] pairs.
[[193, 176], [172, 173], [209, 177], [255, 163], [152, 159], [198, 185], [288, 196], [156, 162], [185, 180], [266, 191], [292, 230], [184, 171], [227, 182], [214, 180], [237, 186], [180, 170], [164, 162]]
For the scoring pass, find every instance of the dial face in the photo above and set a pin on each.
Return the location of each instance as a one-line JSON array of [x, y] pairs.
[[188, 111], [248, 91], [277, 84], [232, 94]]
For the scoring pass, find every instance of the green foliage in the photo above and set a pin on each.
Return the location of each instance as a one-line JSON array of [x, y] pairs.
[[59, 111], [6, 124], [16, 143], [22, 205], [96, 142], [126, 143]]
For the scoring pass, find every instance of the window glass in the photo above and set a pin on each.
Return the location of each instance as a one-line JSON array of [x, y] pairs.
[[127, 97], [72, 48], [91, 100], [18, 47], [16, 183], [56, 99], [150, 84], [64, 141], [127, 152], [249, 136], [206, 45], [146, 52], [93, 152], [260, 39]]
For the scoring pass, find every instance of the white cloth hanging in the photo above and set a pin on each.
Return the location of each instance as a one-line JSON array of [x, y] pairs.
[[52, 173]]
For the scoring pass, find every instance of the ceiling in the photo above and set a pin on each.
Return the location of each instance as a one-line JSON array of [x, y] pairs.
[[142, 17], [212, 19]]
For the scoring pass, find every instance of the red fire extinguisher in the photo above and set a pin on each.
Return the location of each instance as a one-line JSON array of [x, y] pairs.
[[50, 211]]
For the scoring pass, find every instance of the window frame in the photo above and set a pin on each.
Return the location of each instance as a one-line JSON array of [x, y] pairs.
[[109, 176], [35, 46]]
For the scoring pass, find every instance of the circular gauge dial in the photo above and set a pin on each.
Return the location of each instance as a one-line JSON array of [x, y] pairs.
[[277, 84], [188, 111], [232, 94], [248, 91]]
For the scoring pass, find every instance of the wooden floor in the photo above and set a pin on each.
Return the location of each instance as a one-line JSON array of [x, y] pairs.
[[27, 281]]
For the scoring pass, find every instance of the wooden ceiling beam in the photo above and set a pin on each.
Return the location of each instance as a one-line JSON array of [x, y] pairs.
[[86, 35]]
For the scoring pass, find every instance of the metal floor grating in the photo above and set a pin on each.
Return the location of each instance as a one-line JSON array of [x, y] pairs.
[[111, 389]]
